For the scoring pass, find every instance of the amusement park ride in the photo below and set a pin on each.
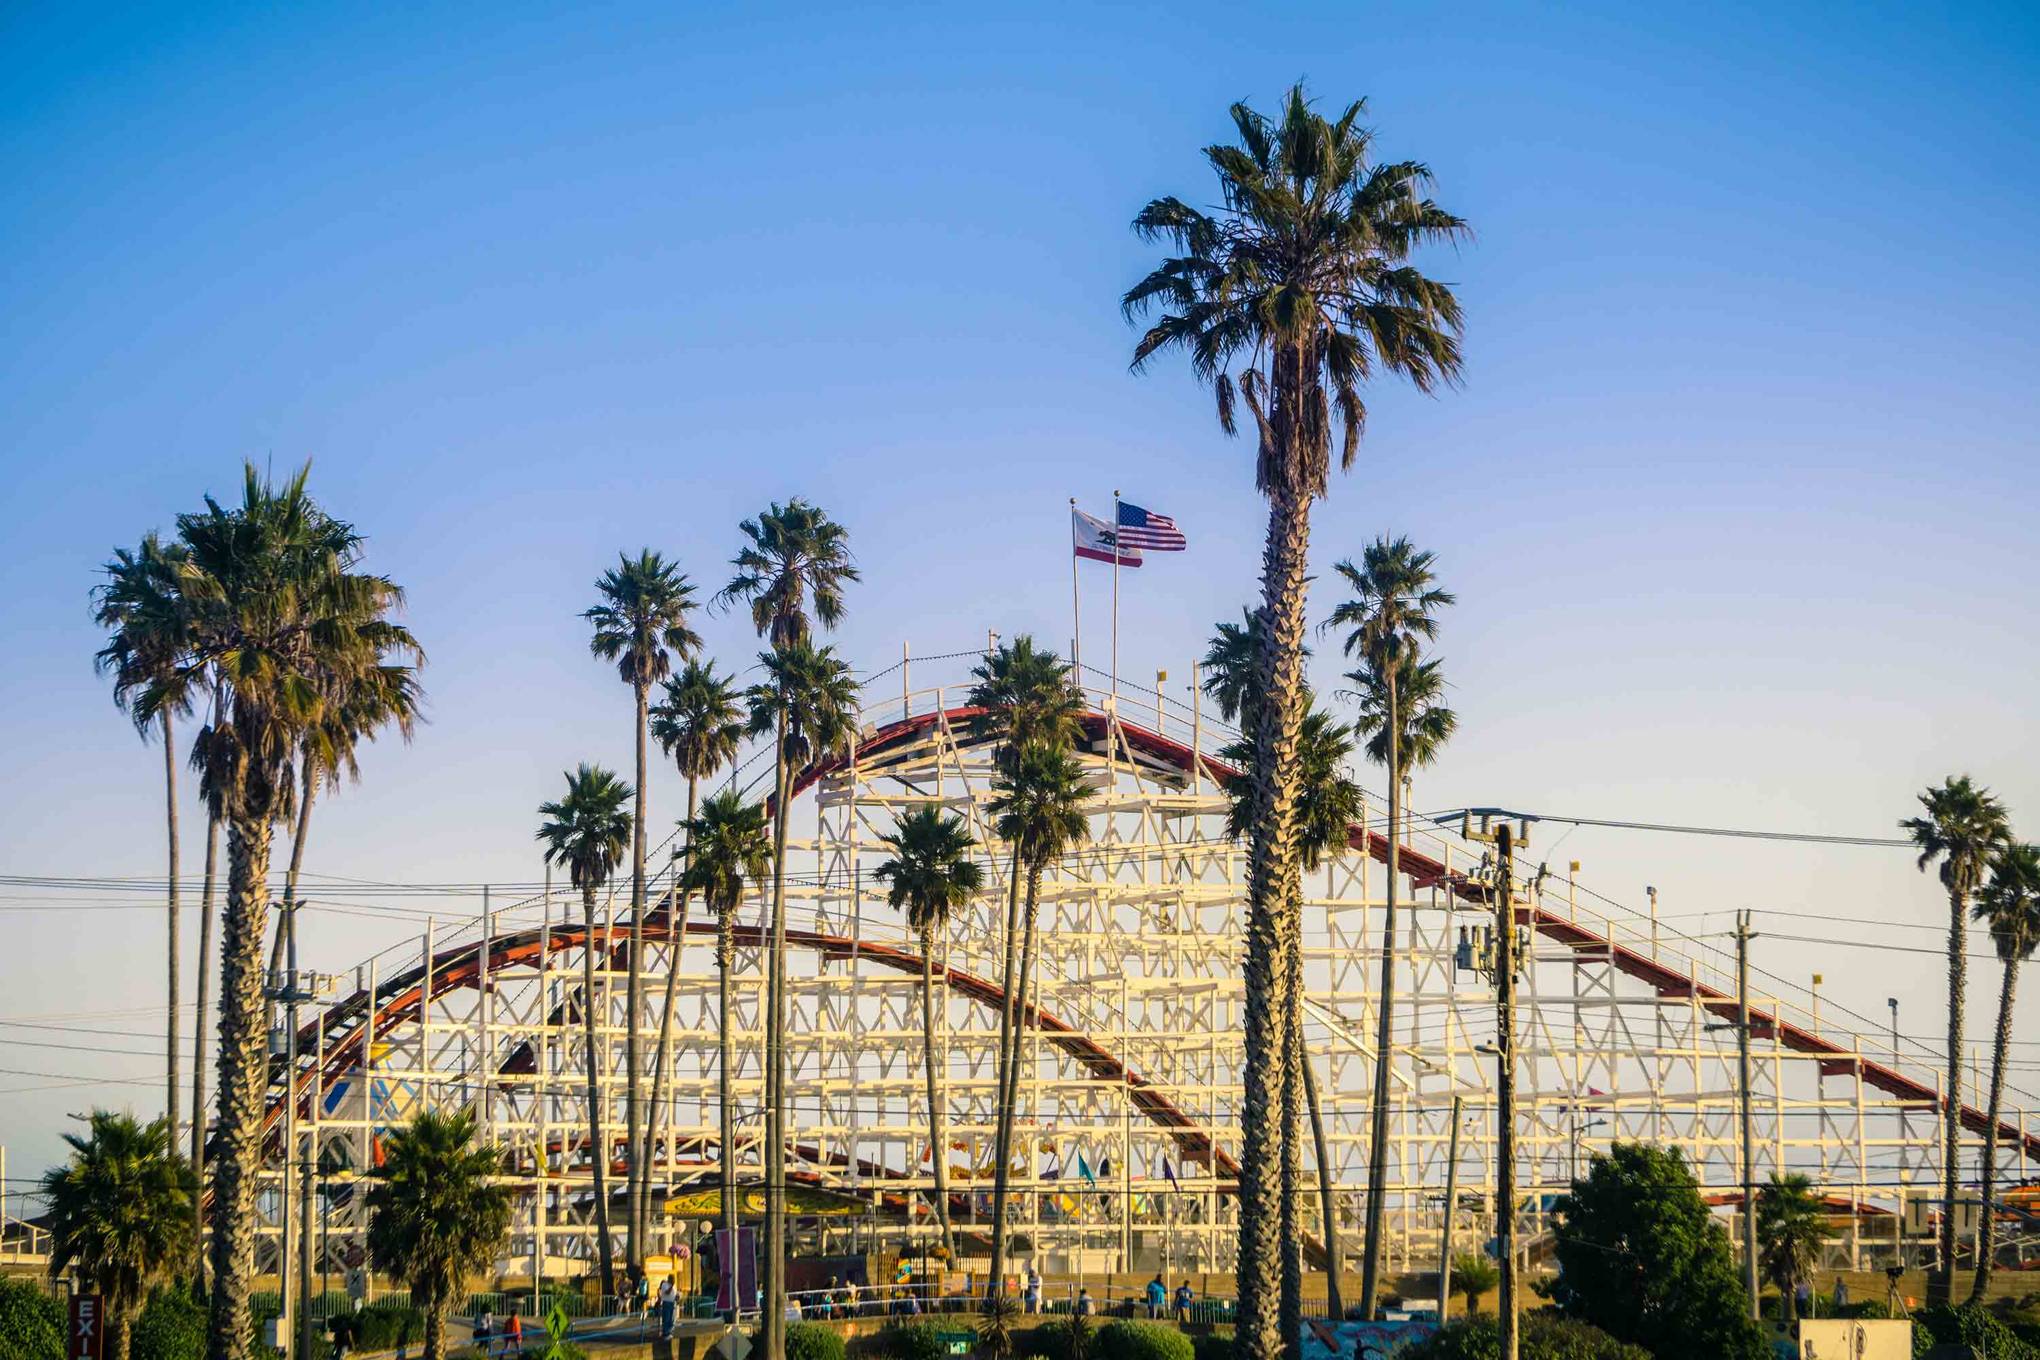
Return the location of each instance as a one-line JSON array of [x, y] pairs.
[[1132, 1043]]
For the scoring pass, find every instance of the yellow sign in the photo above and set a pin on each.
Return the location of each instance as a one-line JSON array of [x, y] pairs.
[[802, 1200]]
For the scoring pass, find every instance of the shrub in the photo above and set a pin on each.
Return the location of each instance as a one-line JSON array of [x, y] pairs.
[[915, 1341], [171, 1327], [1070, 1337], [1212, 1345], [31, 1321], [386, 1326], [1545, 1336], [1969, 1325], [812, 1341], [1123, 1339]]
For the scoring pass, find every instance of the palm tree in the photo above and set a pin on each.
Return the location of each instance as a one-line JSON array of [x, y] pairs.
[[1790, 1229], [794, 557], [119, 1213], [1473, 1274], [1039, 807], [1427, 724], [438, 1212], [699, 726], [2009, 903], [281, 622], [1962, 827], [587, 831], [1329, 806], [149, 632], [727, 846], [930, 875], [640, 623], [1290, 295], [1395, 601]]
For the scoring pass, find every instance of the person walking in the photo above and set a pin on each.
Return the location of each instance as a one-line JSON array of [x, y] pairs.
[[485, 1327], [1033, 1291], [1157, 1296], [1183, 1298], [513, 1335], [1084, 1305]]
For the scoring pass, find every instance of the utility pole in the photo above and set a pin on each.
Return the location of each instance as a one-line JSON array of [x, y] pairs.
[[1445, 1230], [1506, 842], [1749, 1171]]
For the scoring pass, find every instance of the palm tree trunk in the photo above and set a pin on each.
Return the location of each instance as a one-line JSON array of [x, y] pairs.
[[123, 1325], [243, 1081], [598, 1147], [995, 1282], [1328, 1208], [725, 960], [1269, 981], [1941, 1286], [1986, 1243], [633, 1133], [1009, 1105], [170, 1029], [676, 937], [1377, 1127], [936, 1135], [435, 1328], [1290, 1310], [205, 914], [775, 1056], [300, 833]]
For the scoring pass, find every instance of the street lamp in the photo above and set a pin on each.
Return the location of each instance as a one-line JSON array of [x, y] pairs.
[[1892, 1002]]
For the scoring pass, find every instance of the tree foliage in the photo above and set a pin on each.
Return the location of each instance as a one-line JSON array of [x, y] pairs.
[[1544, 1336], [1641, 1258], [119, 1213], [1790, 1229], [436, 1212]]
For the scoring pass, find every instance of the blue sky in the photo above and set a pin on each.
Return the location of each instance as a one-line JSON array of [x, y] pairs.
[[1737, 493]]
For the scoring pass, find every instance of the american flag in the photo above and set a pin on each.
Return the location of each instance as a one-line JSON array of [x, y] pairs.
[[1140, 528]]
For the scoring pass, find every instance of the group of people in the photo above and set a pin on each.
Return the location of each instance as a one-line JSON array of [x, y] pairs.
[[1158, 1298], [661, 1305], [499, 1338]]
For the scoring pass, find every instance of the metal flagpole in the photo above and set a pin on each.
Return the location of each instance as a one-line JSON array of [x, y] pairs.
[[1076, 601], [1115, 600]]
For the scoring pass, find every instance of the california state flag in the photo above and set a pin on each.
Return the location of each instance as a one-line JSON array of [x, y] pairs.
[[1094, 538]]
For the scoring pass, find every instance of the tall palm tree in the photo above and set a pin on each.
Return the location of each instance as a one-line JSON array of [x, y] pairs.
[[148, 634], [281, 621], [1328, 808], [727, 846], [699, 725], [1790, 1229], [119, 1213], [794, 558], [640, 623], [437, 1213], [587, 831], [1290, 295], [1394, 607], [1039, 807], [2009, 904], [930, 875], [1963, 826]]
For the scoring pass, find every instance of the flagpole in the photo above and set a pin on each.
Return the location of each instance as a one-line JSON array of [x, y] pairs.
[[1116, 553], [1076, 602]]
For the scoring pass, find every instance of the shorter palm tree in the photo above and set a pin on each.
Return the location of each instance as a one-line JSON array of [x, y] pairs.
[[437, 1213], [929, 876], [588, 832], [1473, 1274], [1039, 806], [1790, 1229], [728, 845], [699, 725], [2009, 904], [119, 1213], [1963, 826]]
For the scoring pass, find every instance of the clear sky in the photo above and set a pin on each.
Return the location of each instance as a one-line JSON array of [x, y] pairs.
[[1738, 494]]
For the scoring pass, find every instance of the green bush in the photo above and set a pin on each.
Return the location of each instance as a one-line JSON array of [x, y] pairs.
[[388, 1325], [1969, 1325], [1065, 1338], [171, 1327], [1124, 1339], [1212, 1345], [915, 1341], [31, 1322], [812, 1341], [1545, 1336]]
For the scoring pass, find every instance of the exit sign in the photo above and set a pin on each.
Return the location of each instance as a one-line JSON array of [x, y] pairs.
[[87, 1339]]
